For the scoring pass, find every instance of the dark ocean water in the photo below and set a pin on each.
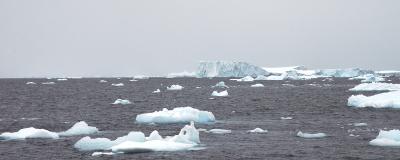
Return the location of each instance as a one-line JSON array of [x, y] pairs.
[[320, 107]]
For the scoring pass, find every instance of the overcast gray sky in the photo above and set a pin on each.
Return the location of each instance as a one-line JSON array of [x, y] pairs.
[[156, 37]]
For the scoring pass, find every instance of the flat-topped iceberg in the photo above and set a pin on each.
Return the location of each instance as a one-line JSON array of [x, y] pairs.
[[349, 72], [122, 101], [220, 94], [376, 87], [141, 77], [228, 69], [387, 139], [311, 135], [382, 100], [30, 132], [79, 128], [175, 87], [176, 115], [182, 74], [136, 142]]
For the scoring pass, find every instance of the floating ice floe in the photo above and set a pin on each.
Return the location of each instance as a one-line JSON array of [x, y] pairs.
[[133, 80], [286, 118], [182, 74], [360, 124], [62, 79], [79, 128], [261, 78], [228, 69], [221, 85], [103, 81], [136, 142], [311, 135], [140, 77], [376, 87], [48, 83], [176, 115], [175, 87], [219, 131], [30, 83], [220, 94], [257, 85], [244, 79], [257, 130], [157, 91], [122, 101], [369, 78], [387, 139], [117, 84], [382, 100], [29, 133]]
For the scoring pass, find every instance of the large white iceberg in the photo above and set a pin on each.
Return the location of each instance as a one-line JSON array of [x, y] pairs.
[[376, 87], [175, 87], [29, 133], [387, 138], [136, 142], [79, 128], [220, 94], [382, 100], [228, 69], [349, 72], [311, 135], [176, 115], [122, 101]]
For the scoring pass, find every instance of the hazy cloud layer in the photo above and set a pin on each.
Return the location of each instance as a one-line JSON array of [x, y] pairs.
[[155, 37]]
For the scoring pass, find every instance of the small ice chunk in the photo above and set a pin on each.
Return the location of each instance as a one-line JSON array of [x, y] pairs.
[[29, 133], [103, 81], [140, 77], [221, 85], [122, 101], [157, 91], [30, 83], [62, 79], [360, 124], [387, 139], [79, 128], [286, 118], [133, 80], [175, 87], [257, 130], [220, 94], [311, 135], [48, 83], [382, 100], [198, 87], [176, 115], [117, 84], [219, 131], [95, 154], [257, 85]]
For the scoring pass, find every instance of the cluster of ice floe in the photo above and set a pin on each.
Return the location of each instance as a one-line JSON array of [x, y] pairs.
[[176, 115], [80, 128], [382, 100], [122, 101], [175, 87], [369, 78], [136, 142], [376, 87], [220, 94]]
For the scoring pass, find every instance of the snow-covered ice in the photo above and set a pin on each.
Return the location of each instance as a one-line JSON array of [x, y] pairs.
[[79, 128], [387, 139], [228, 69], [136, 142], [29, 133], [219, 131], [117, 84], [157, 91], [376, 87], [175, 87], [176, 115], [220, 94], [257, 85], [257, 130], [122, 101], [382, 100], [311, 135]]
